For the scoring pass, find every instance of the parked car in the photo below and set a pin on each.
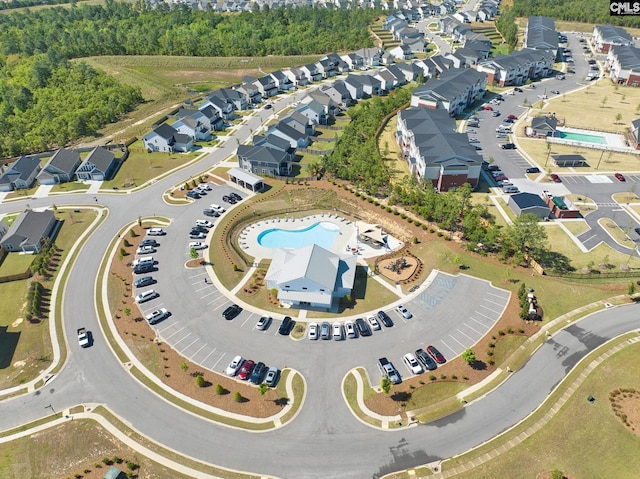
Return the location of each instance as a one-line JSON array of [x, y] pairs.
[[193, 194], [272, 377], [426, 360], [436, 355], [519, 90], [204, 223], [387, 369], [637, 230], [235, 196], [487, 107], [313, 331], [325, 330], [363, 327], [412, 363], [210, 212], [234, 366], [144, 281], [156, 232], [268, 106], [145, 296], [508, 120], [217, 208], [350, 328], [619, 177], [143, 268], [199, 229], [495, 113], [508, 146], [406, 314], [555, 92], [512, 117], [337, 331], [263, 323], [228, 199], [157, 315], [385, 319], [555, 178], [560, 77], [373, 321], [259, 370], [474, 140], [533, 169], [197, 245], [197, 235], [231, 312], [246, 369], [286, 326], [149, 242]]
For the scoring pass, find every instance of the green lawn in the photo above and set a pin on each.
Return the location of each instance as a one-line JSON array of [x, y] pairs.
[[15, 263], [70, 186]]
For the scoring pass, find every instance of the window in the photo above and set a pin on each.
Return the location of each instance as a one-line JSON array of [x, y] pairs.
[[304, 288]]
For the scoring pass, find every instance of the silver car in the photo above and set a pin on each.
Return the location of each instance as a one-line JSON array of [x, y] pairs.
[[313, 331]]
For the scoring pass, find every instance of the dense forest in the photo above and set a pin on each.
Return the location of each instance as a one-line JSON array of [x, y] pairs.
[[588, 11], [133, 29], [46, 101]]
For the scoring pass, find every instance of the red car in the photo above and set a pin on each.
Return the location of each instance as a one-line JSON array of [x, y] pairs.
[[487, 107], [556, 178], [436, 355], [620, 177], [512, 117], [501, 178], [246, 369]]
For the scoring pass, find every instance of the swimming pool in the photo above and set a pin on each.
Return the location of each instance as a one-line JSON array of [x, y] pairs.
[[571, 135], [322, 233]]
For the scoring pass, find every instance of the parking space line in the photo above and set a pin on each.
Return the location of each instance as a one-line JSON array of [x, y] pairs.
[[223, 304], [219, 359], [501, 296], [191, 344], [244, 322], [474, 330], [487, 307], [494, 302], [449, 347], [173, 334], [490, 318], [479, 322], [213, 291], [201, 348], [461, 344], [207, 356], [464, 334], [221, 297], [198, 275], [180, 340]]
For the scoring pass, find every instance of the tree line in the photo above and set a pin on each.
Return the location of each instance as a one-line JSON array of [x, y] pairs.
[[117, 28], [586, 11]]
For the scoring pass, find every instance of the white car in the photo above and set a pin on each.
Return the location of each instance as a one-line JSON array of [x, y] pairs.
[[474, 140], [351, 329], [406, 314], [510, 92], [217, 208], [373, 321], [198, 235], [205, 223], [234, 366], [197, 245], [145, 296], [205, 186], [337, 331], [412, 363], [263, 323], [313, 331], [157, 315], [146, 250]]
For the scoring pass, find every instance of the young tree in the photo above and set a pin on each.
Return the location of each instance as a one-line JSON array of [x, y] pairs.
[[184, 366], [523, 238], [193, 253], [618, 117], [263, 388], [385, 384], [469, 357]]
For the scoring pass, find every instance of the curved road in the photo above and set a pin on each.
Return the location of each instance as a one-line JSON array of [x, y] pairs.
[[324, 440]]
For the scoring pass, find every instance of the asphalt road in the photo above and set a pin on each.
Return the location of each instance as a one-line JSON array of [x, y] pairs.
[[325, 440]]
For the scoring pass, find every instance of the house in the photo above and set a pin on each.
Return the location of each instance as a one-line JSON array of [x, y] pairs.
[[223, 108], [371, 57], [312, 72], [60, 167], [339, 93], [250, 91], [355, 62], [282, 81], [99, 165], [354, 86], [454, 91], [314, 111], [528, 203], [543, 126], [165, 138], [213, 118], [20, 174], [370, 85], [264, 160], [398, 73], [329, 106], [295, 138], [194, 128], [517, 67], [623, 65], [267, 86], [4, 227], [237, 99], [436, 153], [541, 34], [402, 52], [635, 133], [28, 231], [327, 68], [605, 36], [297, 76], [311, 276]]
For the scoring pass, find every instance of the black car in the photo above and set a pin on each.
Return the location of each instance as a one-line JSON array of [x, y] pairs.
[[144, 281], [199, 229], [149, 242], [533, 169], [143, 268], [193, 194], [229, 199], [519, 90], [637, 230], [235, 196], [385, 319], [363, 327], [425, 359], [286, 326], [231, 312], [268, 106], [509, 146], [210, 212], [257, 375]]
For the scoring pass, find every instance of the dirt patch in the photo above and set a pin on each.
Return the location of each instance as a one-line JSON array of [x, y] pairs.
[[398, 269], [166, 363], [625, 405], [17, 322], [550, 475], [195, 263]]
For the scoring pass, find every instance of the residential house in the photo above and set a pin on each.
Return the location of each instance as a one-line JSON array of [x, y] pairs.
[[165, 138], [250, 91], [194, 127], [60, 168], [635, 133], [266, 85], [297, 76], [99, 165], [605, 36], [465, 57], [454, 91], [287, 132], [517, 67], [387, 81], [438, 65], [341, 65], [427, 68], [541, 34], [371, 86], [329, 106], [300, 122], [28, 231], [264, 160], [327, 68], [214, 117], [283, 83], [236, 98], [314, 111], [223, 108], [462, 16], [398, 73], [623, 65], [371, 57], [311, 276], [543, 126], [354, 86], [355, 62], [339, 93], [402, 52], [312, 72], [435, 152], [528, 203], [20, 174]]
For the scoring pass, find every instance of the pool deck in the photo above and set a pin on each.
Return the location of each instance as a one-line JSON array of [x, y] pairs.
[[611, 139], [346, 241]]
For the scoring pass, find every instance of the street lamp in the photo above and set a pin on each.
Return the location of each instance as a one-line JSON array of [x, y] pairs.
[[50, 407]]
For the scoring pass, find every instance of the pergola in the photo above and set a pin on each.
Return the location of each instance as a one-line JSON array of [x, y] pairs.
[[246, 179]]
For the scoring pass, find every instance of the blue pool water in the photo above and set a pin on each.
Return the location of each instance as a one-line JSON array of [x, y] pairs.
[[570, 135], [322, 233]]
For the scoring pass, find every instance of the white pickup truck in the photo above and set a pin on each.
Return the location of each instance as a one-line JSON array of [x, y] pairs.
[[83, 337]]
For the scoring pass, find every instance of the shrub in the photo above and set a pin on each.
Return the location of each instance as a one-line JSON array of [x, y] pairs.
[[492, 345], [417, 223], [454, 377], [200, 382], [263, 388], [442, 376], [447, 238], [403, 216], [510, 331], [465, 377], [439, 233], [219, 389], [521, 331], [117, 460], [396, 212], [126, 243], [415, 240], [501, 333], [235, 267], [431, 230], [491, 362], [237, 397], [432, 377], [388, 209], [490, 352]]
